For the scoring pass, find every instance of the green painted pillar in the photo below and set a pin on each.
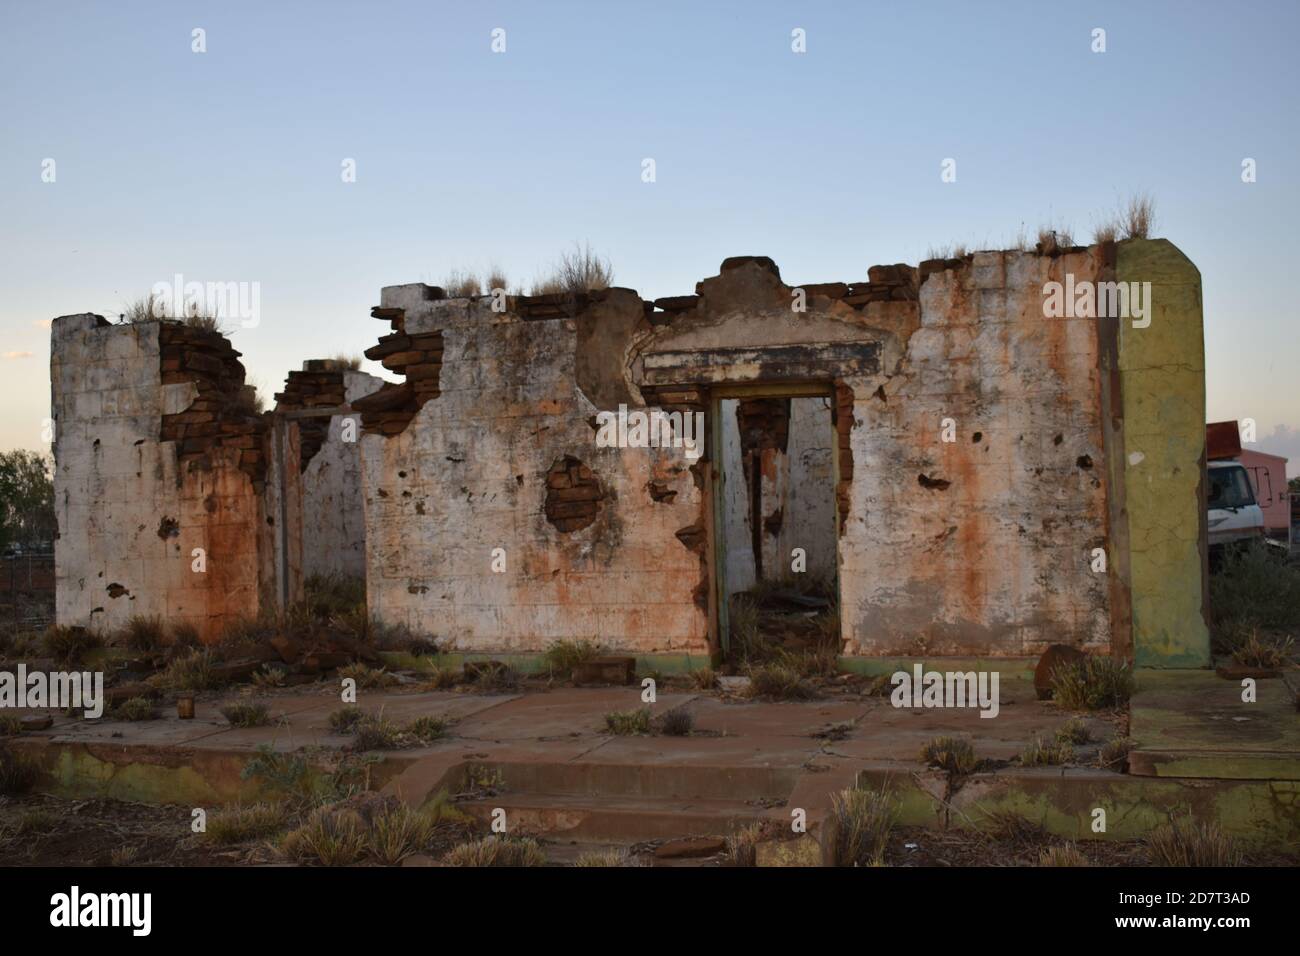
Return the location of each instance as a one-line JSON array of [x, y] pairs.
[[1162, 382]]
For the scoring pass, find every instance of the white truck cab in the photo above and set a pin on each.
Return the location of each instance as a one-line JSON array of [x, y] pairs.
[[1234, 516]]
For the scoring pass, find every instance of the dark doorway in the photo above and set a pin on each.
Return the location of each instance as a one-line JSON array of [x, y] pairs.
[[775, 526]]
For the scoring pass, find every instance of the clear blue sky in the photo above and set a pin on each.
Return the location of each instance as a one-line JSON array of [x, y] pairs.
[[225, 166]]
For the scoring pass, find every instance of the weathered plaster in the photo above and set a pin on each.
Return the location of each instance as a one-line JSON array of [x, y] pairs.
[[129, 514], [1162, 369]]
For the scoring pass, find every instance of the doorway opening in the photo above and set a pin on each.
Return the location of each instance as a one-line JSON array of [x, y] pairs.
[[776, 541]]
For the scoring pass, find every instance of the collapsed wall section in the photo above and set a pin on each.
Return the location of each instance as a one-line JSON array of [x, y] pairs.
[[968, 435], [324, 513], [494, 520], [158, 464]]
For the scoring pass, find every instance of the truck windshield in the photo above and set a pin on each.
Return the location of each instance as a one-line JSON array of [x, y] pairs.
[[1230, 488]]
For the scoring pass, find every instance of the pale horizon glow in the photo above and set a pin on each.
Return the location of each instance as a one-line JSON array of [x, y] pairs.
[[225, 166]]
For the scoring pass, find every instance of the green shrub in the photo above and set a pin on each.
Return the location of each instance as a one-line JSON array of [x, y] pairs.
[[496, 851], [1045, 753], [185, 636], [746, 639], [270, 675], [397, 832], [625, 722], [858, 827], [953, 754], [367, 676], [818, 662], [18, 772], [240, 824], [1065, 855], [1114, 753], [563, 656], [287, 774], [489, 680], [1251, 590], [427, 728], [1185, 843], [194, 670], [247, 629], [742, 846], [779, 682], [124, 855], [333, 595], [1256, 650], [611, 857], [1093, 683], [576, 271], [145, 634], [328, 837], [345, 719], [1074, 731], [375, 732], [441, 677], [70, 644], [136, 708], [676, 722], [704, 678], [246, 713]]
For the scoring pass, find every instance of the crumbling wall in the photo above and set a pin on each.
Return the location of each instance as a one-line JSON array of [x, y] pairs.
[[325, 514], [981, 545], [460, 540], [977, 546], [801, 507], [158, 470], [980, 455], [785, 446]]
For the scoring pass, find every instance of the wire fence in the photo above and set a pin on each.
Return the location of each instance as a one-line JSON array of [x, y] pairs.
[[27, 591]]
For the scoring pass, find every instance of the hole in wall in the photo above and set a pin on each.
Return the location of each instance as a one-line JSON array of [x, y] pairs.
[[573, 494]]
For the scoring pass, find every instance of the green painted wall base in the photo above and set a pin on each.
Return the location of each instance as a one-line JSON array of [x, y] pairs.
[[535, 663], [1063, 803], [1007, 667]]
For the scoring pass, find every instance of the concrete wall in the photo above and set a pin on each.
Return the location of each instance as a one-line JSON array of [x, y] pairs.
[[333, 514], [735, 527], [1162, 369], [798, 497], [130, 513], [981, 545], [493, 520], [468, 475], [803, 491]]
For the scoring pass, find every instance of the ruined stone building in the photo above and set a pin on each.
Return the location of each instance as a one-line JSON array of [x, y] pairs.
[[971, 473], [175, 497]]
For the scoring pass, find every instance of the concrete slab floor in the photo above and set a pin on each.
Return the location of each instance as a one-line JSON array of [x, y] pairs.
[[1197, 724], [727, 731], [744, 757]]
